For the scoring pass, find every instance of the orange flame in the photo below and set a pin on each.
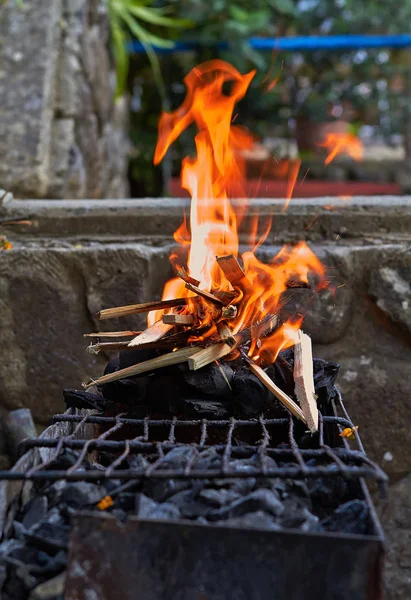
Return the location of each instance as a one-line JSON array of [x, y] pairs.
[[340, 143], [214, 176]]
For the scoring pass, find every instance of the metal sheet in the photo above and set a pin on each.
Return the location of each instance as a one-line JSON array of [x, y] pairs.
[[157, 560]]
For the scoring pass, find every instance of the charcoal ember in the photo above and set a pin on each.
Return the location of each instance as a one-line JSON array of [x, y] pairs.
[[144, 506], [218, 498], [34, 511], [249, 393], [351, 517], [82, 399], [258, 500], [205, 408], [82, 493], [213, 380], [252, 520]]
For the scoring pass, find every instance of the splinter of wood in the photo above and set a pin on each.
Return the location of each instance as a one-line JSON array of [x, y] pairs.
[[208, 355], [109, 334], [231, 269], [182, 273], [204, 294], [225, 333], [134, 309], [304, 380], [278, 392], [178, 319], [152, 334], [100, 347], [166, 360]]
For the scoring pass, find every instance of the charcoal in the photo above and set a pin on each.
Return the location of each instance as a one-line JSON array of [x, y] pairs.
[[66, 459], [325, 375], [54, 491], [3, 575], [249, 393], [82, 493], [213, 380], [144, 506], [19, 530], [165, 511], [208, 459], [259, 500], [241, 486], [161, 402], [127, 391], [252, 520], [34, 511], [53, 589], [82, 399], [133, 356], [218, 498], [48, 536], [351, 517], [327, 493], [297, 514], [189, 505], [203, 408]]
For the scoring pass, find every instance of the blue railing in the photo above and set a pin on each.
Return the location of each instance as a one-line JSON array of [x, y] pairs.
[[296, 44]]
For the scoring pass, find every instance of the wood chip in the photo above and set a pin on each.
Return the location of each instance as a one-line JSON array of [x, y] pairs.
[[166, 360], [133, 309], [304, 380], [109, 334], [278, 393], [231, 269], [225, 333], [178, 319], [152, 334], [204, 294], [208, 355]]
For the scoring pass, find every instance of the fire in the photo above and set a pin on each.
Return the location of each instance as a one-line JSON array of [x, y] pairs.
[[340, 143], [214, 176]]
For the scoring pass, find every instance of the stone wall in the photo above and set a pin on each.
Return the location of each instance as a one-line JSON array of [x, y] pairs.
[[61, 134]]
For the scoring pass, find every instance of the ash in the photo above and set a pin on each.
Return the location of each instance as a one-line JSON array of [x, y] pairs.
[[33, 553]]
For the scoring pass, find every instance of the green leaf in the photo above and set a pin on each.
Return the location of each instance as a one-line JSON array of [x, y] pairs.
[[287, 7], [156, 17]]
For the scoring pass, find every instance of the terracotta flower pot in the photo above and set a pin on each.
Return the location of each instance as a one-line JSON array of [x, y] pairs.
[[310, 135]]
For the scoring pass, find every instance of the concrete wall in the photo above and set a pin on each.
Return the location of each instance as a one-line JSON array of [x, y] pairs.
[[61, 135]]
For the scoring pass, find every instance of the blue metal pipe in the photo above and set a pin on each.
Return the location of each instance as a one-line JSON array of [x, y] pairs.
[[296, 44]]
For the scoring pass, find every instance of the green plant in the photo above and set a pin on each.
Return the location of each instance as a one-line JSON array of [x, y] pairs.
[[140, 20]]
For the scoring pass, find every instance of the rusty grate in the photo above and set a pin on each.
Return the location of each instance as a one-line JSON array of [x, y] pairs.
[[154, 438]]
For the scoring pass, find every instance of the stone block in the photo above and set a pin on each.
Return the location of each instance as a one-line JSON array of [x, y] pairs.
[[28, 55]]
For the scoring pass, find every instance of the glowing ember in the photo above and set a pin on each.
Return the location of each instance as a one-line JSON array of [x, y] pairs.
[[214, 176], [342, 143]]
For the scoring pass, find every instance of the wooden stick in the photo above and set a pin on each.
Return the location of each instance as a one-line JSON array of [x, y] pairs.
[[133, 309], [109, 346], [225, 333], [278, 393], [166, 360], [231, 269], [182, 273], [208, 355], [304, 380], [178, 319], [110, 334], [152, 334], [204, 294]]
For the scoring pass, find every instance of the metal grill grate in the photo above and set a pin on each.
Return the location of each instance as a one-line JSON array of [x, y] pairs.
[[155, 438]]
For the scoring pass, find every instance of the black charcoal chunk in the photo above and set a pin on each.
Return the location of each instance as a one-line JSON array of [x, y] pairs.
[[252, 520], [144, 506], [83, 399], [82, 493], [351, 517], [259, 500], [213, 380], [19, 530], [189, 505], [249, 393], [204, 408], [164, 391], [53, 589], [325, 375], [165, 511], [50, 535], [34, 511], [133, 356], [218, 498]]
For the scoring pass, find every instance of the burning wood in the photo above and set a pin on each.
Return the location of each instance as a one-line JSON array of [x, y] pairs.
[[112, 334], [134, 309], [178, 319], [152, 334]]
